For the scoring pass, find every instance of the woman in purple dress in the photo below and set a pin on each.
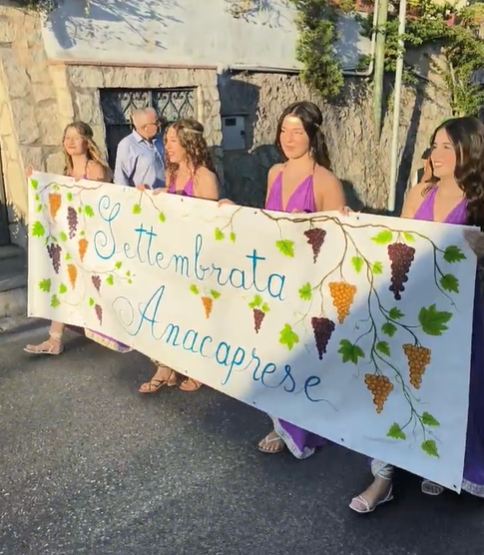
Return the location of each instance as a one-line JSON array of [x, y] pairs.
[[83, 161], [189, 172], [303, 183], [453, 194]]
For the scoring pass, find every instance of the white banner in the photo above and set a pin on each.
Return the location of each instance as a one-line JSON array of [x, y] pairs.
[[357, 329]]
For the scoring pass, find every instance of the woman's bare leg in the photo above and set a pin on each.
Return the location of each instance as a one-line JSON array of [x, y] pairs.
[[164, 375], [51, 346], [379, 492]]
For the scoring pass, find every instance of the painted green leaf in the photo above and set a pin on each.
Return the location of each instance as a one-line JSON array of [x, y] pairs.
[[306, 292], [449, 283], [256, 302], [232, 237], [63, 236], [396, 314], [357, 263], [377, 268], [92, 302], [349, 352], [54, 301], [194, 289], [110, 279], [215, 294], [429, 420], [434, 321], [288, 337], [39, 208], [45, 285], [118, 265], [82, 233], [80, 209], [88, 211], [408, 237], [265, 308], [34, 184], [137, 209], [219, 234], [286, 247], [383, 238], [162, 217], [383, 347], [395, 432], [430, 447], [453, 254], [128, 273], [389, 329], [37, 198], [130, 281], [38, 230], [68, 256], [62, 289], [70, 197]]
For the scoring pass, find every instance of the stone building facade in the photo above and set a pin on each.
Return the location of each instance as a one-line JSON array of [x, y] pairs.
[[39, 98]]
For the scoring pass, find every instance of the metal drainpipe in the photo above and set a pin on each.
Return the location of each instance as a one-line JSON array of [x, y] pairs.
[[378, 75], [402, 16], [369, 70]]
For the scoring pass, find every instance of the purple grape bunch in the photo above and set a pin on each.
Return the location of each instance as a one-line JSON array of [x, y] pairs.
[[96, 281], [72, 221], [401, 257], [323, 329], [315, 238], [55, 251]]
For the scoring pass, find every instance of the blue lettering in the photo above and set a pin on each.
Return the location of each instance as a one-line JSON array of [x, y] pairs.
[[312, 381], [152, 305], [101, 239], [189, 341], [226, 348], [237, 361], [258, 361], [288, 375], [172, 329], [200, 270], [143, 250], [269, 369], [278, 286], [206, 339]]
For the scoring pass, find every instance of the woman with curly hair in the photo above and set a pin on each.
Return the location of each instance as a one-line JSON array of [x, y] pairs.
[[83, 160], [452, 193], [190, 172]]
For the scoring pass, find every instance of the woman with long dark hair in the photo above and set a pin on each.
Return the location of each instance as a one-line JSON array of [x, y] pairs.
[[83, 160], [453, 192], [190, 172], [303, 183]]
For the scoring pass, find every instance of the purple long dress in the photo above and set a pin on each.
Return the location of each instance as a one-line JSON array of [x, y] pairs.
[[473, 481], [300, 443]]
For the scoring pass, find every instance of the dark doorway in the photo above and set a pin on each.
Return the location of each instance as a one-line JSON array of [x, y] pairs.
[[118, 104]]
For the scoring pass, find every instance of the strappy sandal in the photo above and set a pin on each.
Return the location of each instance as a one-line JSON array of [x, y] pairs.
[[154, 385], [431, 488], [367, 508], [263, 445], [185, 385], [52, 346]]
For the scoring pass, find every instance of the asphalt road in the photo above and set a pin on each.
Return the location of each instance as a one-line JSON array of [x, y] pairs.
[[89, 466]]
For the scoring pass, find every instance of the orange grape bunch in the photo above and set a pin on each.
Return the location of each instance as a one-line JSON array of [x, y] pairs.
[[380, 387], [343, 295], [207, 305], [83, 244], [55, 202], [418, 358], [72, 273]]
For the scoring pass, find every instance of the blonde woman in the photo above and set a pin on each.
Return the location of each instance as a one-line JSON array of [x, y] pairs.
[[190, 172], [83, 161]]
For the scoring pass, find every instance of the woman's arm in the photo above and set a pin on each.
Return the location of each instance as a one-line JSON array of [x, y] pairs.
[[206, 185], [328, 191], [271, 177], [413, 200]]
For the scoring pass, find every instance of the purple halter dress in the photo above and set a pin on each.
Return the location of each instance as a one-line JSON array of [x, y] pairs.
[[187, 191], [300, 443], [473, 481]]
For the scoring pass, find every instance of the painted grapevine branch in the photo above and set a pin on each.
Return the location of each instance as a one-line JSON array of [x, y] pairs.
[[67, 251], [431, 321], [220, 233]]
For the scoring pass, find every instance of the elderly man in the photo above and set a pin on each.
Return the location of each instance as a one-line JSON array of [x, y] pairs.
[[140, 160]]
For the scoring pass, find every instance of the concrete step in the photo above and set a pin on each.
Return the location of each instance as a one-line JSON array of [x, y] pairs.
[[13, 281]]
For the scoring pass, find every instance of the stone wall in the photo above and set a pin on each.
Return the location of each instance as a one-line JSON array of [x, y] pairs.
[[359, 158], [29, 122]]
